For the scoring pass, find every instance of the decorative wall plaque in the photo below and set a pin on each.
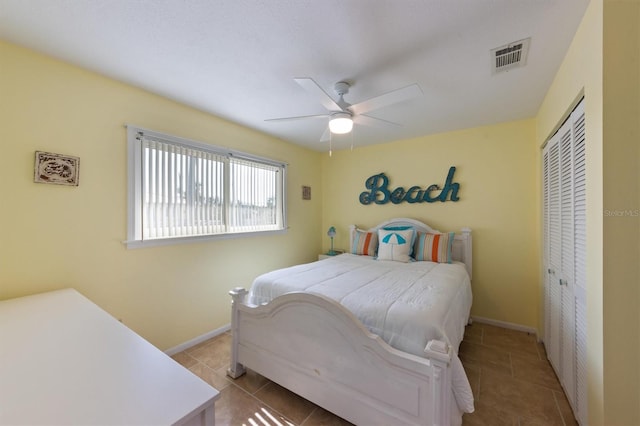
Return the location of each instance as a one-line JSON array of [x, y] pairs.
[[306, 192], [56, 168], [378, 191]]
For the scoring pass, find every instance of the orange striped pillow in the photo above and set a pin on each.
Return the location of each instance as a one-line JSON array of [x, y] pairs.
[[434, 247], [364, 243]]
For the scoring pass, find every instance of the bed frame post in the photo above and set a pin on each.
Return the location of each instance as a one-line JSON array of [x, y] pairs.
[[237, 297], [440, 355]]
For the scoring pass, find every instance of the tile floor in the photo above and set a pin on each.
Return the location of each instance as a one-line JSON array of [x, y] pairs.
[[511, 379]]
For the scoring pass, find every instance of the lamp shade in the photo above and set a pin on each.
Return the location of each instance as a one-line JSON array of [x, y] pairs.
[[340, 123]]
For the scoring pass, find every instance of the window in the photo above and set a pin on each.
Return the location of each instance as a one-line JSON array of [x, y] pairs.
[[184, 190]]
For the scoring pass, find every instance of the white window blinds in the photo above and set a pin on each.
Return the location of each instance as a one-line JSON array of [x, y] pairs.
[[183, 192], [253, 196], [182, 188]]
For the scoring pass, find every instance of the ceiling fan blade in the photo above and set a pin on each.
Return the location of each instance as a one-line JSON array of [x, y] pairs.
[[298, 118], [326, 135], [399, 95], [373, 121], [312, 87]]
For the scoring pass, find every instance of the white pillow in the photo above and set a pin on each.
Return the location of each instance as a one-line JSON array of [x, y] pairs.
[[395, 244]]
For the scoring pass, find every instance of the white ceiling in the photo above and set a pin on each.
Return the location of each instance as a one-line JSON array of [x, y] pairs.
[[237, 58]]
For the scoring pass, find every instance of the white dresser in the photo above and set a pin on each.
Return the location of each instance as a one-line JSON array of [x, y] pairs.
[[65, 361]]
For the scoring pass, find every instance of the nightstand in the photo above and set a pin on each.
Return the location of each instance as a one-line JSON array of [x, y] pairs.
[[325, 255]]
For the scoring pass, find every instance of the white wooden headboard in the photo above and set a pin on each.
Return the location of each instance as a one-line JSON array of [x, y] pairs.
[[461, 249]]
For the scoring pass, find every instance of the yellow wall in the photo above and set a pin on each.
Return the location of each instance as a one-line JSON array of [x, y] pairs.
[[54, 236], [581, 72], [496, 170], [603, 63], [621, 194]]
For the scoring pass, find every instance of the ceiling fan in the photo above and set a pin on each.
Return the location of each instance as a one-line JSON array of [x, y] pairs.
[[342, 114]]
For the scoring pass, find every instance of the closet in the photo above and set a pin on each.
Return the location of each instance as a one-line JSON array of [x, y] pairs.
[[564, 253]]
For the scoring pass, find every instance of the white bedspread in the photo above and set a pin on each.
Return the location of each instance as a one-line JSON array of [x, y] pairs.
[[406, 304]]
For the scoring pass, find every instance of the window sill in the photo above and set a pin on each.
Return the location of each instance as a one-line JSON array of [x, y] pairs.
[[135, 244]]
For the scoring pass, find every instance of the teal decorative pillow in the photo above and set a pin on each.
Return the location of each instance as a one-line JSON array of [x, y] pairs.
[[434, 247], [364, 243], [395, 244]]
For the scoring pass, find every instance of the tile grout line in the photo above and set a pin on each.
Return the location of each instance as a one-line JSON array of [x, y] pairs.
[[213, 370], [192, 357], [185, 353], [513, 375], [263, 402], [555, 398], [263, 386], [309, 416], [230, 381], [200, 345], [252, 395], [479, 382], [480, 369]]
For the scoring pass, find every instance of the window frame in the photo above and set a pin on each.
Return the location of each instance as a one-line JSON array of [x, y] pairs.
[[134, 189]]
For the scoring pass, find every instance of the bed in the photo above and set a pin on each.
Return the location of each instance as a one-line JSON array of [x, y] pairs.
[[370, 335]]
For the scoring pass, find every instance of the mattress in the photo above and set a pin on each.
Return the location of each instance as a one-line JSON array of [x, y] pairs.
[[406, 304]]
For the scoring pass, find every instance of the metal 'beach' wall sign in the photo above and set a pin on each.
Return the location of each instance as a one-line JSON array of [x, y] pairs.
[[378, 191]]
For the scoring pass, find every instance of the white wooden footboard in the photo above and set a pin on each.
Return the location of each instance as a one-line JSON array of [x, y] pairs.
[[318, 349]]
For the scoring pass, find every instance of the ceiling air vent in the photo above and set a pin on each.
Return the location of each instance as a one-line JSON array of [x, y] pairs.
[[512, 55]]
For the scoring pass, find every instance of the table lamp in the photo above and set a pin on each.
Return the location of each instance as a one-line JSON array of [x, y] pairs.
[[331, 233]]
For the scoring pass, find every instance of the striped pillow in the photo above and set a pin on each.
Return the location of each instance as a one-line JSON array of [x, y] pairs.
[[364, 243], [434, 247]]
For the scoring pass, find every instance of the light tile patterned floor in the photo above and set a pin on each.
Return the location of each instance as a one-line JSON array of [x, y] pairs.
[[511, 379]]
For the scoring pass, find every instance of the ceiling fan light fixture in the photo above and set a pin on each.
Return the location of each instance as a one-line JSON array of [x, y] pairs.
[[340, 123]]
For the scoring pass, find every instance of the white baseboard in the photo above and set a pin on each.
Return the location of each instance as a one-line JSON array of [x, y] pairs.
[[199, 339], [505, 324], [227, 327]]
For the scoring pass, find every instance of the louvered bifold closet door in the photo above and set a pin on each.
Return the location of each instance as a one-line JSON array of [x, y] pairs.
[[580, 262], [564, 257], [553, 267], [545, 254], [565, 277]]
